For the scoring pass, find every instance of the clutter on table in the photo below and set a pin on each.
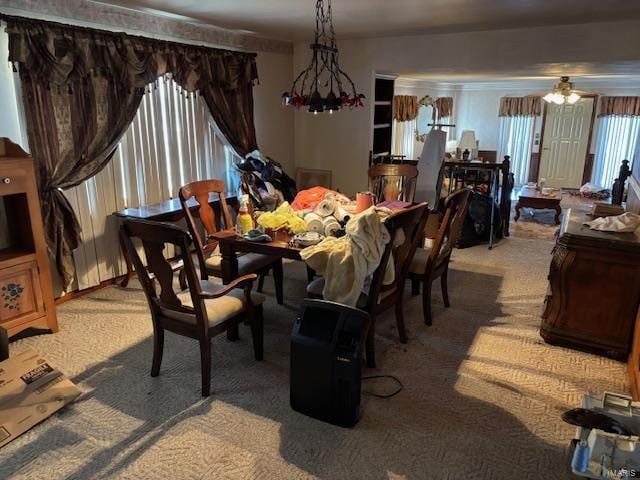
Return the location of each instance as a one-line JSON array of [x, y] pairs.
[[265, 181], [283, 217]]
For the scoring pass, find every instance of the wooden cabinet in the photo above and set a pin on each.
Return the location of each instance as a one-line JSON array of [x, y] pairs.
[[26, 293], [594, 289]]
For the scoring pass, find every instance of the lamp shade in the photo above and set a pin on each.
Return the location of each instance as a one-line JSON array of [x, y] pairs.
[[467, 140]]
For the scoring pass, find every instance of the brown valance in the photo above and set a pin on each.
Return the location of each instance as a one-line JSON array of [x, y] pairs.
[[444, 106], [65, 55], [405, 107], [530, 106], [81, 90], [629, 106]]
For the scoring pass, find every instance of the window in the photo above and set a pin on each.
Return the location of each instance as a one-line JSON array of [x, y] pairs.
[[515, 139], [172, 140], [616, 141], [403, 138]]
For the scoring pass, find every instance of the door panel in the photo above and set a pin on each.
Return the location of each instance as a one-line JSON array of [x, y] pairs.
[[565, 144]]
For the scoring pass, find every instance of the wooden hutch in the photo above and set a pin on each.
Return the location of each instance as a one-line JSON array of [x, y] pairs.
[[26, 293]]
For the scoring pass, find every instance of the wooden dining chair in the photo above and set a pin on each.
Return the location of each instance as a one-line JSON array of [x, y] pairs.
[[201, 311], [406, 229], [209, 257], [433, 261], [393, 182]]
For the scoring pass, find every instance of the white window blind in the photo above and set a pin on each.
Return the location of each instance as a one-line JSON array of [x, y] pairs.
[[616, 141], [515, 138], [172, 141], [403, 138]]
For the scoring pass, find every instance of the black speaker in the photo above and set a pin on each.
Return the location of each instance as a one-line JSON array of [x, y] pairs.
[[326, 361]]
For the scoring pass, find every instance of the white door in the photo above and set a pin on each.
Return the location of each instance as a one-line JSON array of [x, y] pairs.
[[565, 144]]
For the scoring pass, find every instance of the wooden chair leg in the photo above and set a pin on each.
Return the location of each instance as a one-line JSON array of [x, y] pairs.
[[257, 333], [443, 285], [311, 274], [205, 365], [278, 279], [415, 286], [370, 346], [182, 278], [158, 348], [233, 332], [426, 300], [402, 332], [261, 281]]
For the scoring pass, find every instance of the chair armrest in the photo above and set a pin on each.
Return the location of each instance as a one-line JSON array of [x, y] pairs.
[[246, 281]]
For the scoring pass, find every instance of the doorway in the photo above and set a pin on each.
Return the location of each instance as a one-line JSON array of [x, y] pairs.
[[566, 136]]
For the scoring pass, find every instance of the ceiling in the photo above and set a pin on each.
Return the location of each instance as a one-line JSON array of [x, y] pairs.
[[294, 19]]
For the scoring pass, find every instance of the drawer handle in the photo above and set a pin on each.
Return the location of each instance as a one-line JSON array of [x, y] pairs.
[[6, 180]]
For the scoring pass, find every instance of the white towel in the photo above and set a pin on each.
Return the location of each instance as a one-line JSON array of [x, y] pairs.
[[347, 261], [627, 222]]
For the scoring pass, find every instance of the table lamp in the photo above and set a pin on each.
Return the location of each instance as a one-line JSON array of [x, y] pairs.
[[467, 143]]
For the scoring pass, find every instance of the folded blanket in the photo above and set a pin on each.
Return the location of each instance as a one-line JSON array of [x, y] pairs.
[[627, 222], [347, 261]]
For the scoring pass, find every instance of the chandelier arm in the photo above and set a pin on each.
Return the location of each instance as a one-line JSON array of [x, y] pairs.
[[323, 70]]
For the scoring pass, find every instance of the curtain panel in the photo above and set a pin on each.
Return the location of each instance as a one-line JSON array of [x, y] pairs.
[[444, 106], [82, 88], [626, 106], [530, 106], [405, 107]]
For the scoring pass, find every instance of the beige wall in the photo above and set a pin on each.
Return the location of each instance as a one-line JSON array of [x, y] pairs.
[[274, 125], [341, 142]]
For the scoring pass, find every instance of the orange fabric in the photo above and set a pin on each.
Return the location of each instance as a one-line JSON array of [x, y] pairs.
[[309, 198]]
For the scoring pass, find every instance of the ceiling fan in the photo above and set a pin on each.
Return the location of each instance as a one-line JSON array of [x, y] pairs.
[[564, 93]]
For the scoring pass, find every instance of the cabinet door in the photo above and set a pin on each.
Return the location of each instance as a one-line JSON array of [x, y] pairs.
[[20, 294]]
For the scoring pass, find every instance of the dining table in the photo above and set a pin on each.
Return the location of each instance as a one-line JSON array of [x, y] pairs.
[[167, 211], [230, 243]]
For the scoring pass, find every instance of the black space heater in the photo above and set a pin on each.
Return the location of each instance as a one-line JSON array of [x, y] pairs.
[[326, 361]]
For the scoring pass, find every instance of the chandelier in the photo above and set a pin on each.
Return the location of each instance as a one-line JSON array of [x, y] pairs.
[[563, 92], [321, 86]]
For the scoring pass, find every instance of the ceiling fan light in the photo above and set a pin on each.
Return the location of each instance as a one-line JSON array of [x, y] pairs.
[[573, 98], [548, 97]]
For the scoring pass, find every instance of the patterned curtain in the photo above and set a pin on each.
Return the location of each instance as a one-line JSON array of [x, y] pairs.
[[625, 106], [530, 106], [405, 107], [444, 106], [82, 88]]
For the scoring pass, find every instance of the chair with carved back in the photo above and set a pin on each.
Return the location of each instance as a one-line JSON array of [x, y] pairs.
[[432, 262], [201, 311], [393, 181], [209, 257], [406, 229]]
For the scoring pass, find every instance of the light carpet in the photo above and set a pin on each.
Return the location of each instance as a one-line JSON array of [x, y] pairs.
[[482, 399]]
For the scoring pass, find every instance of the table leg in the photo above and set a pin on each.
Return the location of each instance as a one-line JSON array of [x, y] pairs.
[[127, 261], [558, 213], [518, 207], [228, 263]]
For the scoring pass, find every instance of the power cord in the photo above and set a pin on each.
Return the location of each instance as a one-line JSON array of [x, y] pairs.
[[389, 395]]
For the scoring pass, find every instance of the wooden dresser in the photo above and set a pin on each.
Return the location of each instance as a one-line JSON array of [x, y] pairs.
[[26, 294], [594, 288]]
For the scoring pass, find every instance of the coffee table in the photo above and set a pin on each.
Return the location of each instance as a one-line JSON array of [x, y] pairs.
[[532, 198]]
